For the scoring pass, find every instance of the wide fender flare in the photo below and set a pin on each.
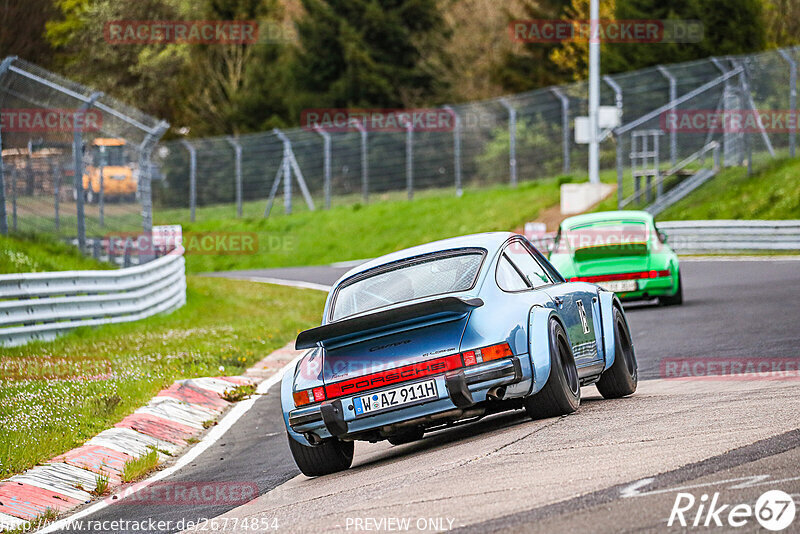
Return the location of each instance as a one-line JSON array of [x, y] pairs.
[[538, 330], [608, 300], [287, 403]]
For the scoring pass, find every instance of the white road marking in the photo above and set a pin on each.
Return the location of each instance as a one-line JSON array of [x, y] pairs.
[[290, 283], [216, 432], [739, 258], [741, 483]]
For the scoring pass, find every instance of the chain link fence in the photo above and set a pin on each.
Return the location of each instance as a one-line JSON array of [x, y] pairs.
[[506, 140], [75, 162]]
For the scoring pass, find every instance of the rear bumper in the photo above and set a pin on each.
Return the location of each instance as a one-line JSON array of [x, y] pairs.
[[651, 287], [457, 390]]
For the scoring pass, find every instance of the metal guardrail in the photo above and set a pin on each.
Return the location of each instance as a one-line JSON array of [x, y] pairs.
[[692, 237], [40, 306]]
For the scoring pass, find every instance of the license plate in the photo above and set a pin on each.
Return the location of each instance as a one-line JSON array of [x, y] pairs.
[[620, 286], [392, 398]]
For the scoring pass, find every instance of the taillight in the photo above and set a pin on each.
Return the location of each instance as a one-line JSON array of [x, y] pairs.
[[620, 276], [486, 354], [308, 396]]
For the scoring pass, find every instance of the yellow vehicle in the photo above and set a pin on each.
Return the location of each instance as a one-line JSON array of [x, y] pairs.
[[119, 179]]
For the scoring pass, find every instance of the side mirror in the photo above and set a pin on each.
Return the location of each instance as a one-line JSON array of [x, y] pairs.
[[662, 237]]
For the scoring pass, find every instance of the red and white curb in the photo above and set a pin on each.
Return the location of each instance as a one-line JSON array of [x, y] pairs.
[[165, 424]]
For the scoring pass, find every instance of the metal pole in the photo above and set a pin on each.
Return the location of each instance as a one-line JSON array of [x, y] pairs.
[[410, 160], [792, 98], [594, 92], [673, 95], [565, 141], [192, 177], [620, 197], [456, 149], [14, 199], [364, 160], [326, 164], [56, 194], [3, 218], [77, 154], [237, 151], [145, 185], [512, 140], [101, 200]]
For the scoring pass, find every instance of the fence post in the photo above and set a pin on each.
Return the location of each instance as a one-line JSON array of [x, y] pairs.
[[101, 200], [192, 177], [237, 151], [146, 189], [617, 94], [3, 218], [673, 95], [326, 164], [565, 143], [620, 170], [364, 160], [56, 194], [512, 140], [410, 160], [77, 154], [14, 199], [456, 149], [792, 96]]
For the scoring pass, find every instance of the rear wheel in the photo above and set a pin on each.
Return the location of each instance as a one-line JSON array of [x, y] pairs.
[[561, 394], [328, 457], [623, 375], [675, 299]]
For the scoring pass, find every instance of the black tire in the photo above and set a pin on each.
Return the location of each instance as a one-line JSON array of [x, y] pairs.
[[328, 457], [561, 394], [677, 298], [407, 437], [623, 375]]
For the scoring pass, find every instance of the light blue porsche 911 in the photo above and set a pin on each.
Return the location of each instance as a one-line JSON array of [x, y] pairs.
[[446, 333]]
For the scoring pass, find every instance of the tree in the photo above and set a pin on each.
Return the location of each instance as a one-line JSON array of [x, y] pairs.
[[573, 56], [28, 22], [361, 53]]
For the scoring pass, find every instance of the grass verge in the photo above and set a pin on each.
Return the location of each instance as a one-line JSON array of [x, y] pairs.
[[139, 468], [56, 395], [28, 253]]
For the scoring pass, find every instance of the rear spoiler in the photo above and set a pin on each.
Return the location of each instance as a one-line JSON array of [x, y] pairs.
[[365, 324]]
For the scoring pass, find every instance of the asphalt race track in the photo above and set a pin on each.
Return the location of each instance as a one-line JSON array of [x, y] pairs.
[[614, 466]]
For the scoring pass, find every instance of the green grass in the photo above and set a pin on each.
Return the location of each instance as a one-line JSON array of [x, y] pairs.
[[772, 192], [138, 468], [362, 231], [56, 395], [25, 253]]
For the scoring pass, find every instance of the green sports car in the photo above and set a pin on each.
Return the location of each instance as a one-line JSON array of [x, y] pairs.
[[621, 251]]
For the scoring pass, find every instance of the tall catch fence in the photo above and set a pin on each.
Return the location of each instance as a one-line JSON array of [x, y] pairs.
[[75, 162], [501, 141]]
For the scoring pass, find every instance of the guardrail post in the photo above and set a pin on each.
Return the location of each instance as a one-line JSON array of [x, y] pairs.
[[192, 178], [792, 97], [456, 149], [3, 217], [364, 160], [673, 95], [512, 140], [126, 257], [410, 160], [237, 151], [326, 164], [77, 155], [565, 141]]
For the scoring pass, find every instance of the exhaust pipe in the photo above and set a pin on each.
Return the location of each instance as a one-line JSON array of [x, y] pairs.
[[496, 393], [313, 438]]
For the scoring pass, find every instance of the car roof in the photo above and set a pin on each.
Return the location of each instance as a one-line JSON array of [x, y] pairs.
[[488, 240], [601, 216]]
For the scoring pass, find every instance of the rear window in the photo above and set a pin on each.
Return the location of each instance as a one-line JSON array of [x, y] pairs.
[[426, 277], [612, 233]]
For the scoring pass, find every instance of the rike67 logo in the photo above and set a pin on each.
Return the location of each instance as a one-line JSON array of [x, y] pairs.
[[774, 510]]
